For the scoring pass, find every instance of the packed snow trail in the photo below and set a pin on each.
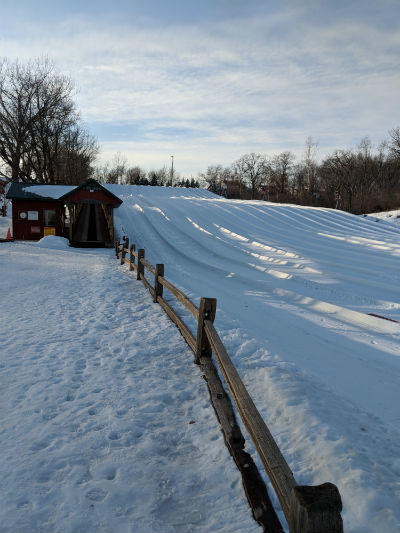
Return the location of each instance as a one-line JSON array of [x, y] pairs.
[[106, 424], [295, 286]]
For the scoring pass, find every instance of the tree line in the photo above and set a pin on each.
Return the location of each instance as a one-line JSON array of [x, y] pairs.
[[118, 171], [359, 180]]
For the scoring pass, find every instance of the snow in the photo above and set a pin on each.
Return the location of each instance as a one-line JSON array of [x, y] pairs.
[[295, 288], [100, 388], [98, 394], [392, 217], [49, 191], [52, 242]]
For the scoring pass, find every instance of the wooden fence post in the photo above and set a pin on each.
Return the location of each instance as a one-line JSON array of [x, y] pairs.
[[140, 269], [158, 288], [126, 245], [315, 509], [132, 257], [122, 250], [207, 311], [117, 248]]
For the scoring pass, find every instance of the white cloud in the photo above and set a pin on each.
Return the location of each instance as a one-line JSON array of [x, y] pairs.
[[243, 85]]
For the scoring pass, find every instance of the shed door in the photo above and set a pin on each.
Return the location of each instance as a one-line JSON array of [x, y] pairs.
[[49, 221]]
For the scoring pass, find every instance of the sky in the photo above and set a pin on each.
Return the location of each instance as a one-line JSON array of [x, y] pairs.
[[208, 81]]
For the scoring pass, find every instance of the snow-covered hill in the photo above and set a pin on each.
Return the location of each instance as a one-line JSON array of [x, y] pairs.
[[295, 288]]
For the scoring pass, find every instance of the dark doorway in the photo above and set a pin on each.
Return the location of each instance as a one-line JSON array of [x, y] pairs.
[[91, 229]]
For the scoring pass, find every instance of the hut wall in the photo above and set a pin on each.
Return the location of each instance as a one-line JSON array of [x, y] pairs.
[[29, 218]]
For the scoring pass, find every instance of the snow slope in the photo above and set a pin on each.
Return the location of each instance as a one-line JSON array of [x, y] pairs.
[[106, 424], [393, 217], [295, 286]]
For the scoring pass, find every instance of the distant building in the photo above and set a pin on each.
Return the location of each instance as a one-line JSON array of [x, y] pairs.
[[83, 214]]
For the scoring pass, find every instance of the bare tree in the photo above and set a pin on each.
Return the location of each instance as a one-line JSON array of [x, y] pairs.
[[77, 151], [310, 152], [162, 175], [337, 172], [39, 124], [213, 176], [281, 167], [117, 169], [395, 145], [252, 169], [135, 175], [18, 113]]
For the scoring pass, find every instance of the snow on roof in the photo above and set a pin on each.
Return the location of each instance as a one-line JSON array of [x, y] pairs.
[[29, 191], [49, 191]]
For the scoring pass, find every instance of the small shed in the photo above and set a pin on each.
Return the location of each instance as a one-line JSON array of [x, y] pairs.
[[83, 214]]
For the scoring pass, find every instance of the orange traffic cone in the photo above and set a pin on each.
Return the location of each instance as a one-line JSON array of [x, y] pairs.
[[9, 238]]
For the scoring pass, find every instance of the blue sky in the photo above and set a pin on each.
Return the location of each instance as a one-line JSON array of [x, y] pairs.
[[209, 81]]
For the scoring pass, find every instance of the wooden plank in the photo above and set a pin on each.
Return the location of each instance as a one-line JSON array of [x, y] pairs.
[[207, 310], [274, 463], [307, 509], [149, 266], [254, 486], [189, 338], [180, 296], [128, 251], [134, 266], [147, 284]]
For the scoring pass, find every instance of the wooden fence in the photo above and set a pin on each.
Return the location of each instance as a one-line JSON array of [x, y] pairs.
[[307, 509]]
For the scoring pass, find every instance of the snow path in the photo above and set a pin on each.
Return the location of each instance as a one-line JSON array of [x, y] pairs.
[[294, 287], [98, 390]]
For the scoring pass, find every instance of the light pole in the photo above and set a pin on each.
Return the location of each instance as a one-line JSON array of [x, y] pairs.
[[172, 169]]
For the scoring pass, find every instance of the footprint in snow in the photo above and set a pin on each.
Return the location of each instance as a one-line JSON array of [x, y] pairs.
[[110, 473], [43, 477], [23, 504], [40, 445], [106, 471], [96, 495], [122, 412]]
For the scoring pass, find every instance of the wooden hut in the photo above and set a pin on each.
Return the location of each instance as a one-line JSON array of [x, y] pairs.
[[83, 214]]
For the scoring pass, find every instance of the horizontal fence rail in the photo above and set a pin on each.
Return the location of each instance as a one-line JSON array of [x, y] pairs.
[[307, 509]]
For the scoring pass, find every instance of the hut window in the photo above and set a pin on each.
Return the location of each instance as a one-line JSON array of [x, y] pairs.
[[33, 215], [49, 217]]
